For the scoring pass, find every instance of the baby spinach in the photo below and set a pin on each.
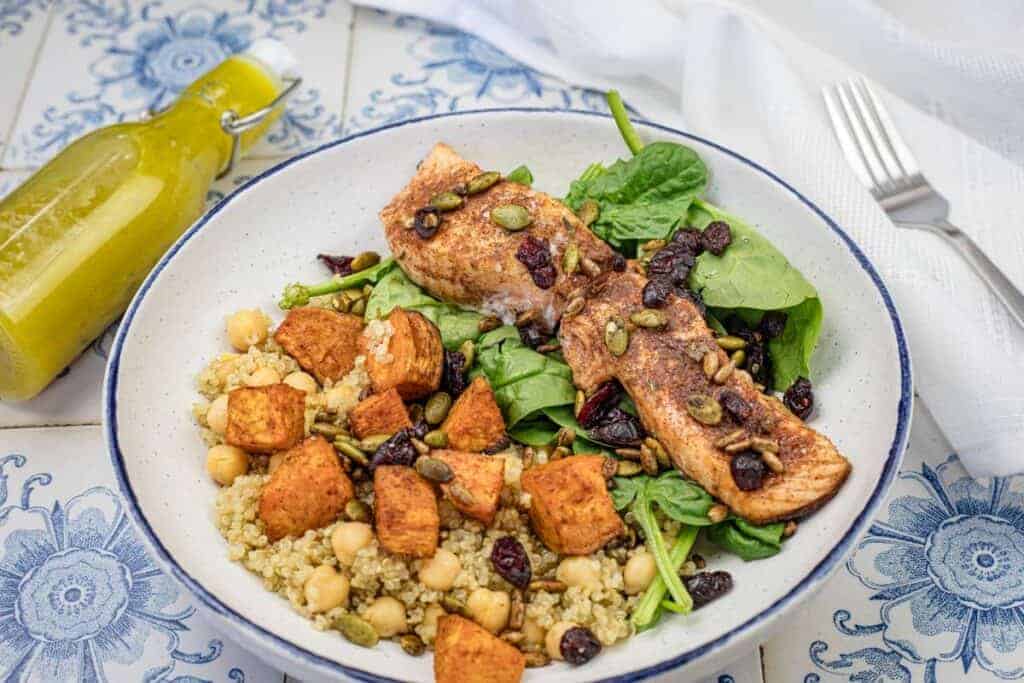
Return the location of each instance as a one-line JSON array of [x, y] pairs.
[[742, 538], [521, 175], [534, 431]]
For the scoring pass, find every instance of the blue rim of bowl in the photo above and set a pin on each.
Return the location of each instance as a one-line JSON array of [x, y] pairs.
[[831, 560]]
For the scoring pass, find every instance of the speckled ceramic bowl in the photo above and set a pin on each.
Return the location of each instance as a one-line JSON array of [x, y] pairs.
[[267, 234]]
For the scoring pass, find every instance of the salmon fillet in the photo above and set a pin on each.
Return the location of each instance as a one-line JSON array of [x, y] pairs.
[[662, 368], [471, 261]]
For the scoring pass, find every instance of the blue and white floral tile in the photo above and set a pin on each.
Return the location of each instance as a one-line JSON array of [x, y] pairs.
[[79, 597], [22, 24], [404, 67], [105, 61], [934, 591]]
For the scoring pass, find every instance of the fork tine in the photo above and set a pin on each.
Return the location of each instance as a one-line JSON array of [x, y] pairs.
[[845, 137], [879, 138], [900, 152], [863, 136]]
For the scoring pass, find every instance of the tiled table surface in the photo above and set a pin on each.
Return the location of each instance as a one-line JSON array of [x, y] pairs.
[[934, 592]]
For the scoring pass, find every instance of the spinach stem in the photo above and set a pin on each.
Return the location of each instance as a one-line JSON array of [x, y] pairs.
[[629, 133], [646, 612]]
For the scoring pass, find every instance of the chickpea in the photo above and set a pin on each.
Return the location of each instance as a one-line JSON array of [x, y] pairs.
[[263, 377], [553, 640], [439, 572], [274, 462], [387, 616], [431, 614], [325, 589], [217, 414], [224, 463], [533, 632], [489, 608], [246, 328], [348, 538], [638, 573], [579, 571], [303, 381]]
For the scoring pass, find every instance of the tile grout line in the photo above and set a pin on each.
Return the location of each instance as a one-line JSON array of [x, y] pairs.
[[23, 95], [348, 66]]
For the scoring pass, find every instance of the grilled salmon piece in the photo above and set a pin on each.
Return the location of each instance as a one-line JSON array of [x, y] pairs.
[[471, 261], [661, 369]]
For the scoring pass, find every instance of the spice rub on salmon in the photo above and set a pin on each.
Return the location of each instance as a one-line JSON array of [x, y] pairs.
[[473, 261], [696, 416]]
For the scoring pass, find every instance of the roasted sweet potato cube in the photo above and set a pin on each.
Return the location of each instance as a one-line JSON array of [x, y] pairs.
[[570, 507], [265, 419], [414, 358], [405, 510], [308, 490], [475, 423], [379, 414], [481, 475], [465, 652], [323, 342]]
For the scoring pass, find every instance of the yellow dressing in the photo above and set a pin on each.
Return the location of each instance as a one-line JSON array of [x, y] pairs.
[[79, 236]]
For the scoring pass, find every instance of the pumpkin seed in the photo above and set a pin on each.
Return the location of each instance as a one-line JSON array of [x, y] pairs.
[[356, 630], [628, 468], [487, 324], [327, 429], [559, 453], [482, 182], [761, 444], [565, 436], [512, 217], [731, 343], [718, 513], [468, 351], [688, 569], [446, 201], [710, 364], [609, 468], [535, 660], [367, 290], [371, 443], [357, 511], [724, 373], [436, 438], [648, 317], [364, 260], [421, 448], [738, 357], [571, 259], [789, 529], [453, 605], [577, 405], [434, 469], [358, 308], [724, 441], [547, 586], [738, 446], [340, 303], [589, 267], [353, 294], [575, 306], [659, 452], [351, 451], [517, 614], [616, 338], [437, 408], [412, 644], [648, 460], [589, 211], [704, 409], [773, 462], [628, 453], [460, 494]]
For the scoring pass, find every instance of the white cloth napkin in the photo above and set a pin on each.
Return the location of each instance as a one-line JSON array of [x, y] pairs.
[[749, 76]]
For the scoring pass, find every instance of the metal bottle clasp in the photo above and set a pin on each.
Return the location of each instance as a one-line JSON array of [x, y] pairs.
[[234, 125]]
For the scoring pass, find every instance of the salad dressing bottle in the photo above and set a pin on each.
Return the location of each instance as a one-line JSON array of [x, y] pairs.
[[78, 237]]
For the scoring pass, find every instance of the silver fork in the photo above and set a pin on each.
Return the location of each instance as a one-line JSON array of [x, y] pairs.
[[885, 165]]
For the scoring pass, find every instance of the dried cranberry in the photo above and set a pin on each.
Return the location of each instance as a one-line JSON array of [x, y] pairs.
[[748, 471], [773, 324], [579, 645], [535, 254], [735, 405], [511, 561], [603, 399], [419, 430], [799, 398], [398, 450], [426, 221], [656, 291], [618, 262], [531, 335], [665, 260], [453, 378], [759, 365], [338, 265], [704, 587], [688, 239], [716, 237], [618, 428], [738, 328]]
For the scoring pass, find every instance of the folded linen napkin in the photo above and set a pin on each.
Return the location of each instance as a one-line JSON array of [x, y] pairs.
[[749, 76]]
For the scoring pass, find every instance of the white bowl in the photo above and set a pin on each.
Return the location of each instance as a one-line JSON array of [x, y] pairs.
[[268, 233]]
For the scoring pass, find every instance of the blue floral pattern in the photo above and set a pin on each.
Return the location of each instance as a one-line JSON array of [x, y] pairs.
[[79, 597], [948, 567], [14, 14]]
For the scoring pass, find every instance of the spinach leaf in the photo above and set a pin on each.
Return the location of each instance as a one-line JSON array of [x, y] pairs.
[[791, 352], [626, 490], [642, 198], [521, 175], [524, 381], [396, 290], [683, 501], [750, 542], [534, 431]]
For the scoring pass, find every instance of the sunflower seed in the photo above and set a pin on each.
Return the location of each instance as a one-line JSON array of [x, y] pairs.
[[789, 529], [552, 345], [512, 217], [648, 460], [659, 451], [724, 373], [482, 182], [616, 338], [731, 343], [773, 462], [710, 364], [738, 446], [434, 469], [609, 468], [648, 317], [421, 448], [724, 441], [761, 444], [460, 494], [577, 405], [575, 306], [589, 211], [704, 409], [437, 408], [517, 614], [446, 201], [718, 513], [652, 245], [571, 259], [364, 260], [589, 267], [487, 324], [629, 468], [547, 586], [628, 453], [738, 357], [356, 630]]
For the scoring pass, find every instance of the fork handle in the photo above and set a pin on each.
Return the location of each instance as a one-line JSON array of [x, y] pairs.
[[1004, 289]]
